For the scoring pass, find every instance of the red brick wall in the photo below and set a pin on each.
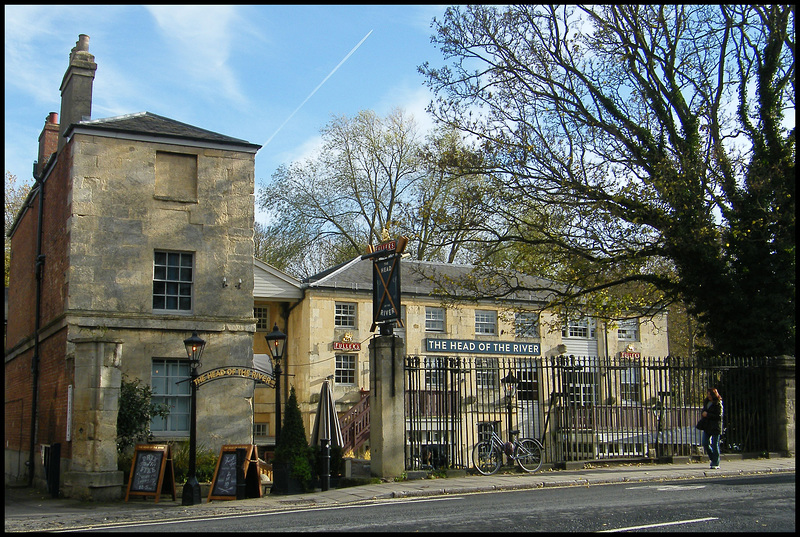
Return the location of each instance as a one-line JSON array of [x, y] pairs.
[[55, 372], [18, 402], [55, 245], [22, 280]]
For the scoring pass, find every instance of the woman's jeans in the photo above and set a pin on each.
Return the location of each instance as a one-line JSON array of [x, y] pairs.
[[711, 445]]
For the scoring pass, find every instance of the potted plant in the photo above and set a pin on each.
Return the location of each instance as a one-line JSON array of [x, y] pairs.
[[291, 467]]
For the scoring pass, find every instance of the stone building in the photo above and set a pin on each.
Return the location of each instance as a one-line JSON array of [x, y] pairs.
[[138, 231], [331, 328]]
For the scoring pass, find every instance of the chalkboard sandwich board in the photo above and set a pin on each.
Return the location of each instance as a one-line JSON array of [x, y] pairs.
[[152, 472], [224, 484]]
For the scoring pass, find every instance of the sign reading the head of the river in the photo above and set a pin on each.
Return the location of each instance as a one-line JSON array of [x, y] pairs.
[[482, 347], [386, 290]]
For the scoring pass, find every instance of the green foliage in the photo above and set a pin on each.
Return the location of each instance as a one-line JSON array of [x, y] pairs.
[[205, 462], [607, 132], [292, 445], [135, 412]]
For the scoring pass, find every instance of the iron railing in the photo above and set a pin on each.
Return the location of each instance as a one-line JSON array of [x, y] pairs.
[[581, 408], [355, 424]]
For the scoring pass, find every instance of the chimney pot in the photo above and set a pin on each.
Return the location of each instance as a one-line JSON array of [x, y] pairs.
[[53, 118], [82, 43]]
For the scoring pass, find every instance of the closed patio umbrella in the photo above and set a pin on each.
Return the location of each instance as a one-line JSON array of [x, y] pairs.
[[327, 432], [326, 422]]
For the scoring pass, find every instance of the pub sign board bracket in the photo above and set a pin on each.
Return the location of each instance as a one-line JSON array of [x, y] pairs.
[[152, 472]]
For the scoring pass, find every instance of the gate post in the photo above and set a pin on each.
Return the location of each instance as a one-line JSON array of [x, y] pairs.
[[387, 406], [783, 426]]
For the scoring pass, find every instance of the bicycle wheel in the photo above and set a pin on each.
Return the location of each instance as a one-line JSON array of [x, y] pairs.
[[487, 458], [528, 454]]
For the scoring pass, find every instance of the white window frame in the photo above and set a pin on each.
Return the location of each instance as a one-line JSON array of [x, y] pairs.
[[345, 315], [526, 324], [261, 429], [434, 319], [164, 382], [528, 381], [583, 328], [345, 372], [630, 385], [628, 330], [173, 281], [435, 371], [581, 388], [487, 373], [486, 322], [261, 313]]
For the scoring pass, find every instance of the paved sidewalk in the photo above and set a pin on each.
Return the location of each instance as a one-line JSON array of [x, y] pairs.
[[27, 510]]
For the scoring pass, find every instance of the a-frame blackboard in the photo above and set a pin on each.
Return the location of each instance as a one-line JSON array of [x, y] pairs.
[[223, 486], [152, 472]]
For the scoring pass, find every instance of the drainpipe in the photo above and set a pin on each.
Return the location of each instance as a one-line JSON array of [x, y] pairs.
[[286, 309], [37, 322]]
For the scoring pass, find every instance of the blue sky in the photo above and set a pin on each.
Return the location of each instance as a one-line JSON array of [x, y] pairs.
[[241, 70]]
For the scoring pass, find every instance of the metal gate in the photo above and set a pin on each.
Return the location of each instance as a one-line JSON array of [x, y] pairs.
[[581, 408]]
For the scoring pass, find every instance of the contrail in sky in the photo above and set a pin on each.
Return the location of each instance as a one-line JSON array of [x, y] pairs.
[[319, 86]]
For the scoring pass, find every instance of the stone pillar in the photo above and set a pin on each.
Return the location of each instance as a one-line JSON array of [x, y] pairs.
[[783, 424], [93, 473], [386, 406]]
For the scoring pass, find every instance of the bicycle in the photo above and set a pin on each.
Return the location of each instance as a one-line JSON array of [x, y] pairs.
[[526, 452]]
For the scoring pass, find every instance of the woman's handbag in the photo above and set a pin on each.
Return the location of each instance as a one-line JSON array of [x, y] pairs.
[[701, 425]]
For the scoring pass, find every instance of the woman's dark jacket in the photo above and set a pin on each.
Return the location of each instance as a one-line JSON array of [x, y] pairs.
[[713, 422]]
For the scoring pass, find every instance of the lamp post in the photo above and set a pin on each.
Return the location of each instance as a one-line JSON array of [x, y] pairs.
[[194, 350], [276, 340], [510, 388]]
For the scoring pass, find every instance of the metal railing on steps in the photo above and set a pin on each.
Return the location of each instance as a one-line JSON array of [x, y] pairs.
[[355, 424]]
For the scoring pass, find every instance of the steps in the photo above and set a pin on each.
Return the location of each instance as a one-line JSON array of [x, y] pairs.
[[355, 425]]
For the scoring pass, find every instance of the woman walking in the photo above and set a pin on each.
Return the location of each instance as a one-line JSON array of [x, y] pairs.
[[712, 429]]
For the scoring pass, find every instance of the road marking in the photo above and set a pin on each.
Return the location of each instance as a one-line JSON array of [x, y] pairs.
[[650, 526], [668, 487]]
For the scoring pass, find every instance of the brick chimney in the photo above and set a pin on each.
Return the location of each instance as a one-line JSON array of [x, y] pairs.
[[76, 88], [48, 141]]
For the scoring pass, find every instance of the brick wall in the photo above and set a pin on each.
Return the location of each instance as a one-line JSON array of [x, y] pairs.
[[55, 374], [18, 402]]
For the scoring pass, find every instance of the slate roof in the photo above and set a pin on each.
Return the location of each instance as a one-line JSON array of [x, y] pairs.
[[147, 123], [417, 278]]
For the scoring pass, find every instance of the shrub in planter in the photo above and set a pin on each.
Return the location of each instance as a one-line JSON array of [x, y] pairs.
[[205, 462], [292, 454]]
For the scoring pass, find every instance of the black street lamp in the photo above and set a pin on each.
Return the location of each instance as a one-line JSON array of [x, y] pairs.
[[276, 341], [510, 388], [194, 350]]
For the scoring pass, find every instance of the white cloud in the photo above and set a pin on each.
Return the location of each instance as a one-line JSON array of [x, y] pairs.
[[201, 38]]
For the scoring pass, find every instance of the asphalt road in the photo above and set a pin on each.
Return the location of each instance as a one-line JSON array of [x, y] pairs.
[[727, 504]]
